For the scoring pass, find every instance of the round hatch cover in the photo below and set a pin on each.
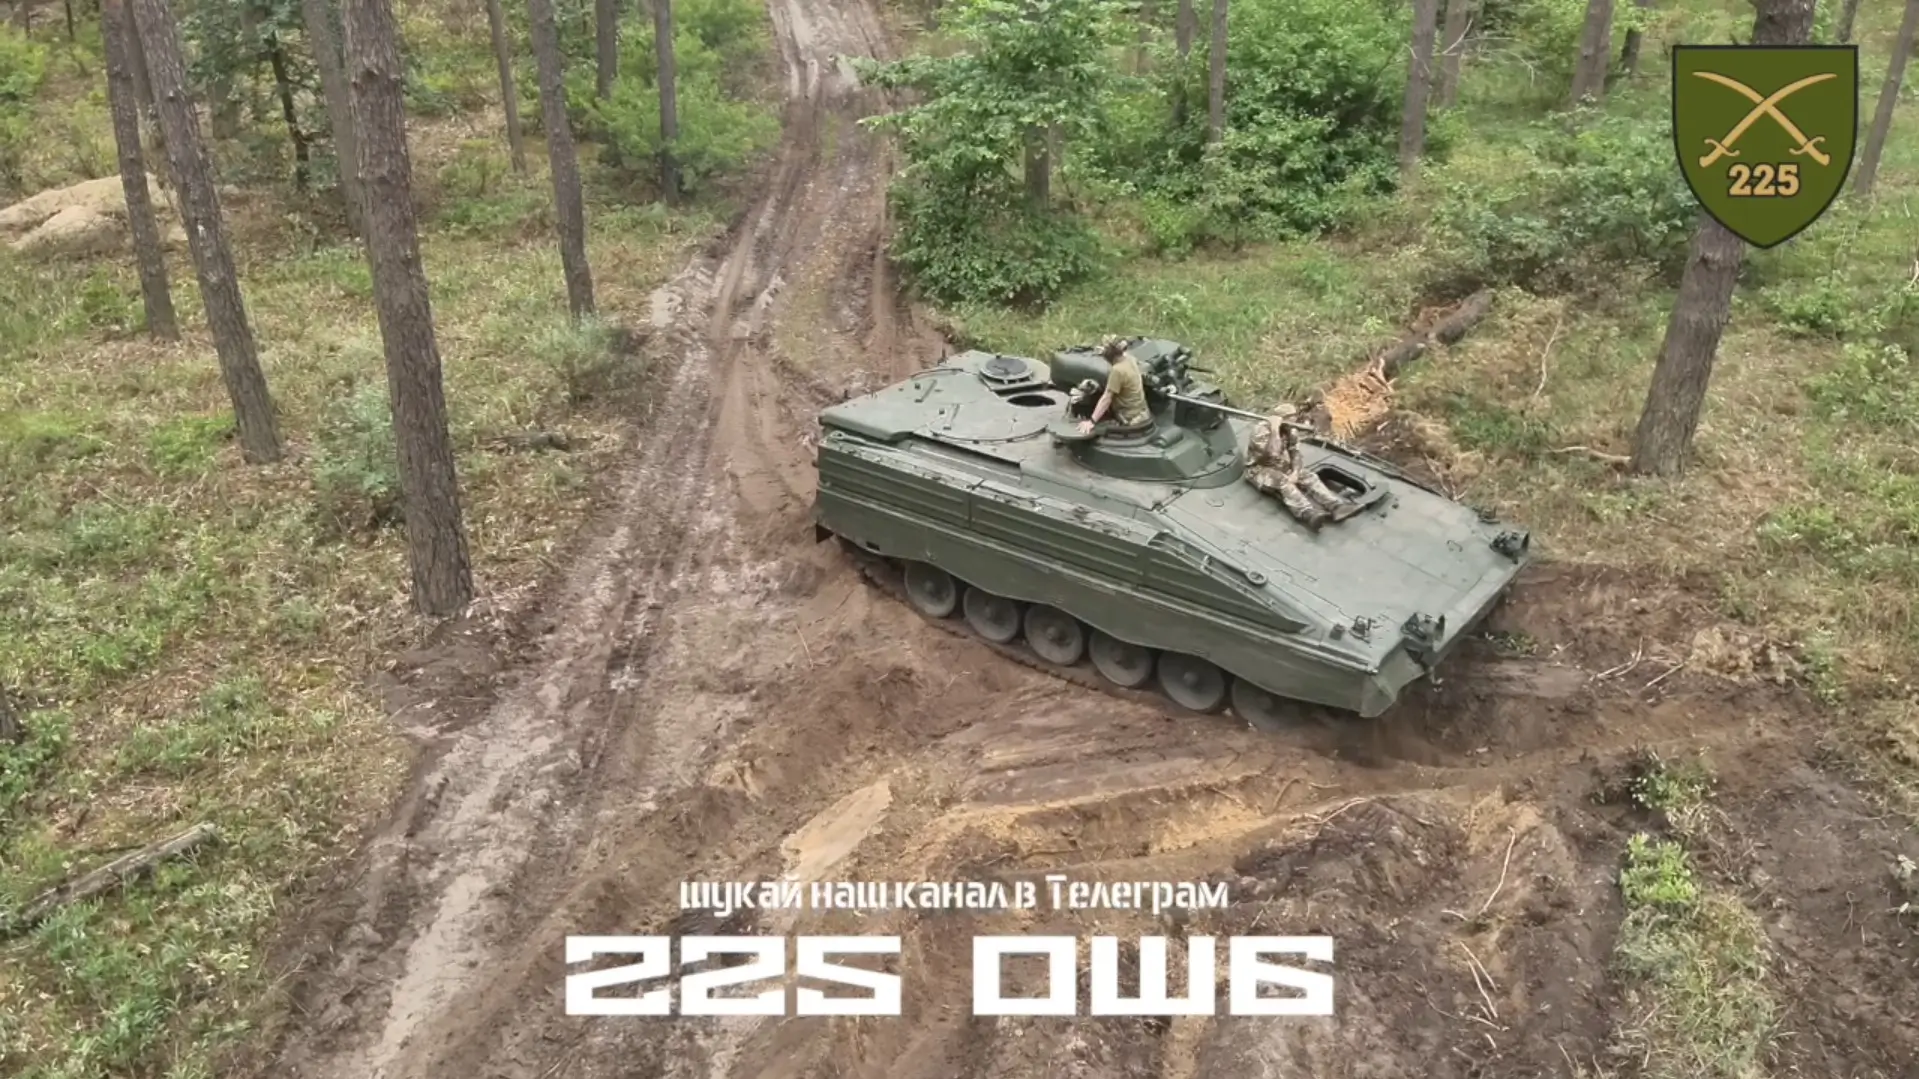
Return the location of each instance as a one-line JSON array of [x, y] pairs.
[[1005, 369]]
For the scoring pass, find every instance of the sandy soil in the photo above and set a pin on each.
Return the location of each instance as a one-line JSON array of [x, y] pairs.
[[710, 695]]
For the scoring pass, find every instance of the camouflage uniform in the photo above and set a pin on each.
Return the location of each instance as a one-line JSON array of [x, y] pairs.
[[1127, 385], [1274, 468]]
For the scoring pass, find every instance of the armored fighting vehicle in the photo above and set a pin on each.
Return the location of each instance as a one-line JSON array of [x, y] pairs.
[[1146, 553]]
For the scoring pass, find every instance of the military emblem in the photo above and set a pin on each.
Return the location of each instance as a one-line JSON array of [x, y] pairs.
[[1765, 134]]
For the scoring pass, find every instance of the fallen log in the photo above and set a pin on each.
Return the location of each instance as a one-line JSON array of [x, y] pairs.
[[1358, 400], [114, 873], [531, 442]]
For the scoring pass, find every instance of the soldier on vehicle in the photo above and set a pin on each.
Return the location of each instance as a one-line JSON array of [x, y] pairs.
[[1273, 467], [1125, 394]]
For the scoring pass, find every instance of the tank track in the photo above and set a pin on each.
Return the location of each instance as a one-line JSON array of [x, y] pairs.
[[886, 575]]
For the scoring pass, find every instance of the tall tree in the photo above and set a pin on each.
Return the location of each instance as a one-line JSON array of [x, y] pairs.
[[509, 89], [1595, 52], [1185, 25], [606, 47], [1888, 101], [1678, 391], [123, 104], [669, 100], [1629, 53], [318, 18], [1419, 81], [276, 57], [199, 204], [1848, 15], [23, 15], [1459, 20], [429, 485], [1216, 76], [569, 202]]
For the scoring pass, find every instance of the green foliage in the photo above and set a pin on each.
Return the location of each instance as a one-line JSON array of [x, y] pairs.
[[1029, 71], [23, 67], [721, 127], [1585, 197], [1313, 92], [1542, 36], [1657, 875], [1695, 964], [356, 473], [1872, 385], [26, 762]]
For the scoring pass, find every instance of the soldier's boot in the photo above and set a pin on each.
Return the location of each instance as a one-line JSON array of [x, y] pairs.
[[1327, 499], [1303, 509]]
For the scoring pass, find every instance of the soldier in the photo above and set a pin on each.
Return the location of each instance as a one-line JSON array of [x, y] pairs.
[[1125, 392], [1273, 454]]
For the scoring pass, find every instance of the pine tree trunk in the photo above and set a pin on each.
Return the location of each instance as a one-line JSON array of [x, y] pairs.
[[1145, 36], [123, 102], [429, 485], [509, 90], [1039, 169], [1629, 54], [1888, 101], [569, 201], [1459, 19], [318, 18], [153, 138], [1419, 80], [1216, 77], [1679, 380], [23, 15], [1848, 16], [1185, 24], [1595, 52], [606, 47], [669, 100], [199, 202], [277, 61]]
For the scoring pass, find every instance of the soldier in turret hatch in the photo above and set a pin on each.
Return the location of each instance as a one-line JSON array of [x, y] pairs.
[[1273, 467], [1125, 394]]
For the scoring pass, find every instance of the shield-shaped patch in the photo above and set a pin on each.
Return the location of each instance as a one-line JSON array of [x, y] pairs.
[[1765, 134]]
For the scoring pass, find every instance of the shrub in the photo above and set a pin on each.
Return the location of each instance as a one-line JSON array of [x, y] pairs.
[[1594, 195], [1315, 89]]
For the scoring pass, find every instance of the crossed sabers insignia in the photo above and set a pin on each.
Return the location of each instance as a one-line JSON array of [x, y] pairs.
[[1765, 106]]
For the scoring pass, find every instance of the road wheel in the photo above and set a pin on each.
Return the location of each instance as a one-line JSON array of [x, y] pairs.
[[1127, 666], [1054, 635], [931, 590], [1263, 710], [1192, 683], [995, 618]]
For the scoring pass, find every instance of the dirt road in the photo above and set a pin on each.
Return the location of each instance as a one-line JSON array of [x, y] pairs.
[[712, 696]]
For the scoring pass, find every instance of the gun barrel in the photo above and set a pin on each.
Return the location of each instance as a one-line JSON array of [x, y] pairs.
[[1240, 412]]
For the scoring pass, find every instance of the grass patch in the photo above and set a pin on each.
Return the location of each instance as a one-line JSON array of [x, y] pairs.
[[183, 638], [1695, 963]]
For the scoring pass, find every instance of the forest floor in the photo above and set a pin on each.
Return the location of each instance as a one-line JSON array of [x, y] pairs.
[[695, 690]]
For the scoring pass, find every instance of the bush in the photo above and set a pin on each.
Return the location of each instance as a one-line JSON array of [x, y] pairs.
[[716, 43], [996, 249], [1315, 89], [1595, 195], [356, 473], [1543, 37], [23, 66]]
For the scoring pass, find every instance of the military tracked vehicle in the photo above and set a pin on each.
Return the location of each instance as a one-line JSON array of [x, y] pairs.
[[1146, 553]]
